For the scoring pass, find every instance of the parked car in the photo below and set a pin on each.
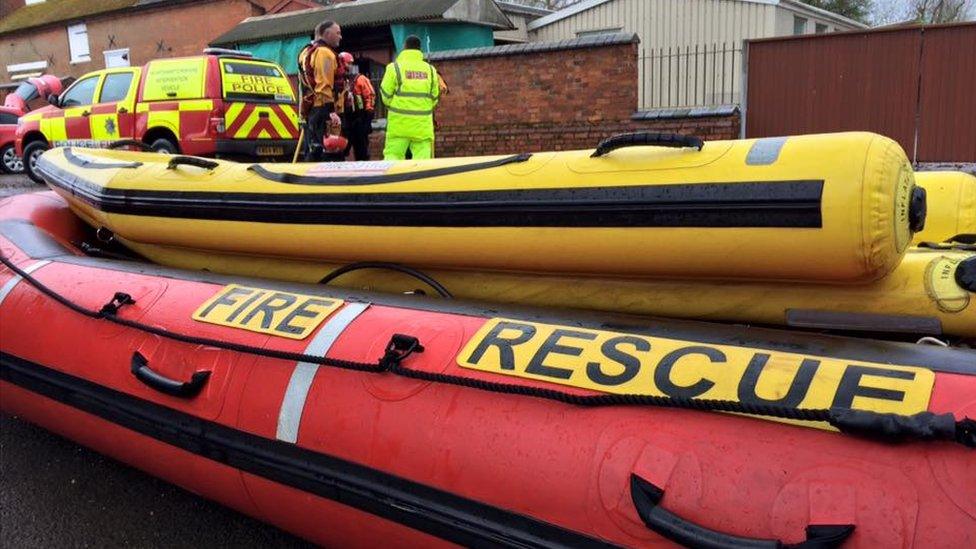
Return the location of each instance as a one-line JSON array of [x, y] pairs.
[[223, 103], [15, 105], [9, 161]]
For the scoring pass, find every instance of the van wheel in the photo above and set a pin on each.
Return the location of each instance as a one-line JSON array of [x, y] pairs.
[[9, 161], [164, 146], [31, 153]]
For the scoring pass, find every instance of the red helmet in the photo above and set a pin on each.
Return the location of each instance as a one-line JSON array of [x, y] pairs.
[[335, 144], [345, 58]]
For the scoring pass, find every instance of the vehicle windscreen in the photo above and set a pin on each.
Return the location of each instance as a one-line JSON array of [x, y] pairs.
[[254, 81]]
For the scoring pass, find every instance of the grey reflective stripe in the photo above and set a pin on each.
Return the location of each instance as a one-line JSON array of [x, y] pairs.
[[421, 95], [12, 283], [405, 111], [292, 406], [396, 69], [765, 151]]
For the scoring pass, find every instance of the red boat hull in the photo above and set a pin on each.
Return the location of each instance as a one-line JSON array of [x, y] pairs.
[[358, 458]]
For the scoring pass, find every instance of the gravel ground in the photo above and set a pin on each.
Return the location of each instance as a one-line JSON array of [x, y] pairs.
[[16, 184], [55, 493]]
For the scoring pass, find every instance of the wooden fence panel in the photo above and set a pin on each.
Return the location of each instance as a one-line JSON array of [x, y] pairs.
[[947, 121], [830, 83]]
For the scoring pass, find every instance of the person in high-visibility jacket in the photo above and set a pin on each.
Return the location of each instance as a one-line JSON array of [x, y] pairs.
[[410, 89]]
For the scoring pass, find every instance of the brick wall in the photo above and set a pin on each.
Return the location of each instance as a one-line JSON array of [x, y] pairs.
[[558, 137], [8, 6], [182, 29], [549, 100]]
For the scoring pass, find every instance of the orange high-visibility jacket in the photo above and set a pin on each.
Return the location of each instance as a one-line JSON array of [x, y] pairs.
[[316, 68], [362, 87]]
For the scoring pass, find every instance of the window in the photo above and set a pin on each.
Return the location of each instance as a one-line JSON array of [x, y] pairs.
[[116, 58], [8, 118], [821, 28], [115, 87], [26, 91], [81, 93], [799, 25], [596, 32], [78, 43], [252, 69]]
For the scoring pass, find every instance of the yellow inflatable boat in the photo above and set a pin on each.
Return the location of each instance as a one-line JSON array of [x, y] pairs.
[[951, 205], [930, 293], [837, 207]]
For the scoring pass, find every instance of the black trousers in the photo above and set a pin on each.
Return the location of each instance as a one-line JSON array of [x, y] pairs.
[[315, 128], [357, 127]]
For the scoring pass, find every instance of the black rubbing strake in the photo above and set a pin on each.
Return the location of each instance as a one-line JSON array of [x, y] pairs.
[[792, 204]]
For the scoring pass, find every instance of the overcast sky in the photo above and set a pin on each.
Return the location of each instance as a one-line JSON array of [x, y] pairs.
[[885, 12]]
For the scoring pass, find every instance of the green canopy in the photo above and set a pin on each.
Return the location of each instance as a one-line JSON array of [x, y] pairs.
[[433, 37], [283, 51], [444, 36]]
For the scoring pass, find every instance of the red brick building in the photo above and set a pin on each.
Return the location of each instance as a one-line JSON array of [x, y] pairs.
[[72, 37]]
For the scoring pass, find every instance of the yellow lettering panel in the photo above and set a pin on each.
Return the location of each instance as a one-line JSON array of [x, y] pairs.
[[622, 363], [249, 79], [282, 314], [169, 80]]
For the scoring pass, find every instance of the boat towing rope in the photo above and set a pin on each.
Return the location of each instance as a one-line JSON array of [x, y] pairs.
[[885, 427]]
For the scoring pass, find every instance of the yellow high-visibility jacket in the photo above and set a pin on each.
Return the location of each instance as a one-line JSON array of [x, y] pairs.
[[410, 90]]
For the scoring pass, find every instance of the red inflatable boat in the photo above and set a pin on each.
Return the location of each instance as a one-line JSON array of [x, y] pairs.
[[356, 419]]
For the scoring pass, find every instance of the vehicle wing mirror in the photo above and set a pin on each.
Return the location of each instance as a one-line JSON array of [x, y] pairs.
[[54, 100]]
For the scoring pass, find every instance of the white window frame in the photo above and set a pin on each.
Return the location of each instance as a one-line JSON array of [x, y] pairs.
[[80, 52], [109, 53], [29, 66], [597, 32], [796, 21]]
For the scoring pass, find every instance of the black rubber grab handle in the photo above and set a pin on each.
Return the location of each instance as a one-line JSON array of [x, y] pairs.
[[163, 384], [917, 210], [640, 139], [191, 161], [965, 238], [129, 143], [966, 274], [647, 498]]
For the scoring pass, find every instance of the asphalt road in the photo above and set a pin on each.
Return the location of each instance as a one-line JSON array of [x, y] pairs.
[[54, 493]]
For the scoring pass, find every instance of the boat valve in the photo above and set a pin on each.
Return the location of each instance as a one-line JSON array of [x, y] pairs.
[[917, 209], [104, 235]]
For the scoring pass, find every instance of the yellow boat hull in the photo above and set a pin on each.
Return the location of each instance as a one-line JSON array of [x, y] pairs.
[[829, 208], [921, 296], [951, 198]]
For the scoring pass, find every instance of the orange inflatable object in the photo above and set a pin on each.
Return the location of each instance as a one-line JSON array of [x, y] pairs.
[[357, 419]]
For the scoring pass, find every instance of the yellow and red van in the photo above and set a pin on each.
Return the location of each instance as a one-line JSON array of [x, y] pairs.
[[222, 103]]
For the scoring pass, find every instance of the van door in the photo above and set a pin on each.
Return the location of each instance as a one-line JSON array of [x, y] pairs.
[[174, 104], [76, 104], [113, 116], [259, 106]]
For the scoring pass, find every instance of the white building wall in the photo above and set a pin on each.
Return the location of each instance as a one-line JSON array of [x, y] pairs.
[[785, 19], [520, 34], [669, 78]]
